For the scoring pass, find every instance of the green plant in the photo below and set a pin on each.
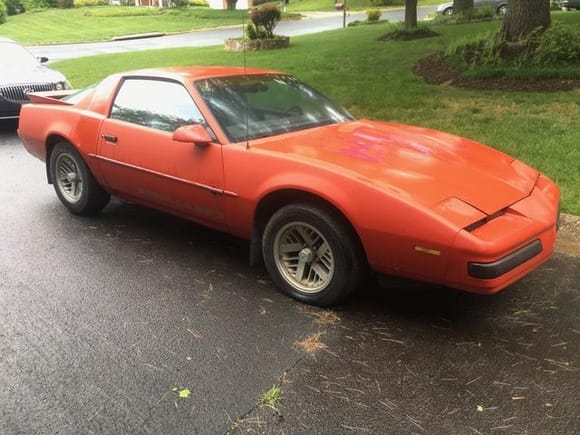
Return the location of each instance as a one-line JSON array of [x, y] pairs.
[[271, 397], [65, 4], [558, 44], [39, 4], [251, 32], [199, 3], [484, 13], [265, 17], [3, 12], [374, 15], [473, 50], [14, 7]]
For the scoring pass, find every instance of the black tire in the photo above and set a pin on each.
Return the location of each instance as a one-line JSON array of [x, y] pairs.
[[502, 10], [323, 262], [74, 183], [448, 11]]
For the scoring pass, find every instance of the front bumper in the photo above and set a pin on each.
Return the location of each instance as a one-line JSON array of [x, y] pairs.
[[506, 249], [502, 266], [9, 109]]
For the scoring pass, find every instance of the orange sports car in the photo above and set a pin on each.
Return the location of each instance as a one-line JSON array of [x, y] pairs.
[[322, 197]]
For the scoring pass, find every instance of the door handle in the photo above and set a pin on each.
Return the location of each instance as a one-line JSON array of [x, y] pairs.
[[109, 138]]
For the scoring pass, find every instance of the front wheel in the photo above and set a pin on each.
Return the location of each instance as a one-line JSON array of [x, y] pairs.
[[502, 10], [73, 182], [312, 255], [448, 11]]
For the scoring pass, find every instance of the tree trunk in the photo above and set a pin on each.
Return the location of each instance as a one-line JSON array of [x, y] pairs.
[[462, 7], [410, 14], [524, 16]]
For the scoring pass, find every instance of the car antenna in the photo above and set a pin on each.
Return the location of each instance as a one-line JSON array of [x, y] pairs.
[[247, 108]]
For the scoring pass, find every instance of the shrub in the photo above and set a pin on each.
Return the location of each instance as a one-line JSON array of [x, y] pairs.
[[374, 14], [39, 4], [251, 31], [484, 13], [558, 44], [3, 12], [265, 17], [473, 50], [66, 4], [199, 3], [14, 7]]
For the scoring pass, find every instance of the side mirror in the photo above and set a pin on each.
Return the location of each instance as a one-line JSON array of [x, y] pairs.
[[195, 134], [43, 59]]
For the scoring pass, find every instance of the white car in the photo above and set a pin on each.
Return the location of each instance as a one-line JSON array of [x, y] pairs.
[[499, 5]]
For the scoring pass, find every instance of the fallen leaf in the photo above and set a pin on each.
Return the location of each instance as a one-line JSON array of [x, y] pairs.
[[185, 393]]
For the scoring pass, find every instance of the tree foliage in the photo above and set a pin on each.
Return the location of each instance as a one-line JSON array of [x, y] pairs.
[[14, 7], [3, 11], [265, 17]]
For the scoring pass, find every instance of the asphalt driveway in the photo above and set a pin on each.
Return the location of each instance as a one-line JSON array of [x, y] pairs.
[[105, 323]]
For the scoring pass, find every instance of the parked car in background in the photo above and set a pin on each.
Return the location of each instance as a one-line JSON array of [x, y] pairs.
[[20, 73], [499, 5], [566, 5]]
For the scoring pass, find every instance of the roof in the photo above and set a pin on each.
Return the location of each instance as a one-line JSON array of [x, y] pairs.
[[197, 72]]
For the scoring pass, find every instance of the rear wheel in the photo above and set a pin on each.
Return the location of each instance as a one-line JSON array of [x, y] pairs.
[[448, 11], [312, 255], [502, 10], [73, 182]]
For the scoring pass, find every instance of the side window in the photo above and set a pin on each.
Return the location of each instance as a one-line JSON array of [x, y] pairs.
[[157, 104]]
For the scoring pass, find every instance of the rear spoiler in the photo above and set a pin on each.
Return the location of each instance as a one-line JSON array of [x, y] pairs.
[[50, 97]]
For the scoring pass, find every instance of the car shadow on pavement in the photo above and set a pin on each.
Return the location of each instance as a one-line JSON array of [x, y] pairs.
[[393, 296]]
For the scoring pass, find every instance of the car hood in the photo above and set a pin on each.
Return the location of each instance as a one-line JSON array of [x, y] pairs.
[[420, 165], [39, 74]]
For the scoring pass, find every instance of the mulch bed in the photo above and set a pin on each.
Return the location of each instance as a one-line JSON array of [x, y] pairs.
[[434, 70], [411, 36]]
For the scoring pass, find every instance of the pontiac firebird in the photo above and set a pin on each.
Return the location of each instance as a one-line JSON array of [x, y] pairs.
[[323, 198]]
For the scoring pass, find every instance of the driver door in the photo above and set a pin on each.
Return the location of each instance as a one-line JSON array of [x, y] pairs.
[[142, 162]]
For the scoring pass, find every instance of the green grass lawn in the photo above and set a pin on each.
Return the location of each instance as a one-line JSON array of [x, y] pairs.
[[101, 23], [373, 80], [104, 22]]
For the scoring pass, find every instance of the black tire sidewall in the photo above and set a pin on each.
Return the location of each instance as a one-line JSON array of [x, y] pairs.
[[347, 268], [93, 198]]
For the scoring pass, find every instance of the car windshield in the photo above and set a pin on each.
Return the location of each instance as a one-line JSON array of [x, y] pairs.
[[14, 56], [250, 107]]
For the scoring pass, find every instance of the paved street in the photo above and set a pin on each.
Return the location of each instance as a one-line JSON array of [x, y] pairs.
[[105, 320], [317, 22]]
